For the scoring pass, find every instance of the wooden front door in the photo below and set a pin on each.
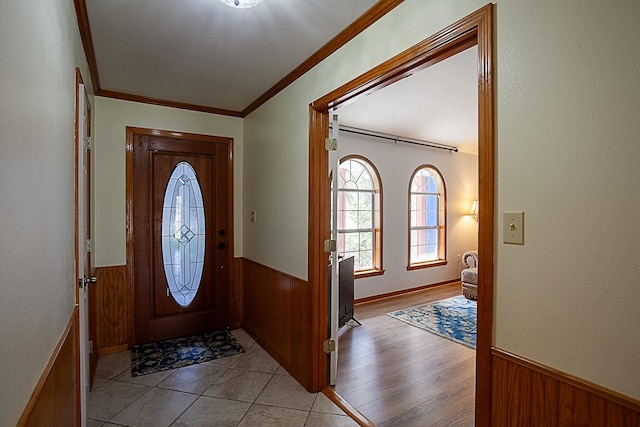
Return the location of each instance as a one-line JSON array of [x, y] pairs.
[[181, 235]]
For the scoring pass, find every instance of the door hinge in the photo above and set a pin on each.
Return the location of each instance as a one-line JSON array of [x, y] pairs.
[[330, 245], [89, 245], [88, 143], [90, 346], [329, 346], [331, 144]]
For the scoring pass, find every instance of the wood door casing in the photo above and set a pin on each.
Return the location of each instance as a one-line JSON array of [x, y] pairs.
[[157, 315], [476, 28]]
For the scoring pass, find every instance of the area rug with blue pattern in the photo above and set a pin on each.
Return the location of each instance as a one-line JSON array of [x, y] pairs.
[[452, 318], [176, 353]]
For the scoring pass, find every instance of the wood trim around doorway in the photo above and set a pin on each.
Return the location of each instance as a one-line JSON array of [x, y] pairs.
[[234, 308], [475, 29]]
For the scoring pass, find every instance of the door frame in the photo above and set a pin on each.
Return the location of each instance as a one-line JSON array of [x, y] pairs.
[[474, 29], [131, 132]]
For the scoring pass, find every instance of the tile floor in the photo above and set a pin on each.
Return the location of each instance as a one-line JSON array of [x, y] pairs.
[[248, 389]]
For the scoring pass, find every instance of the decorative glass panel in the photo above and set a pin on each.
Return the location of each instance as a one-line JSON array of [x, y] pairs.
[[183, 234]]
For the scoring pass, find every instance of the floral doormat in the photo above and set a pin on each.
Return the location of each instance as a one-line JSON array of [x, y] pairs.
[[452, 318], [176, 353]]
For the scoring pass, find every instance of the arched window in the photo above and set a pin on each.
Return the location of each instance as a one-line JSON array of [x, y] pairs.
[[427, 204], [359, 215]]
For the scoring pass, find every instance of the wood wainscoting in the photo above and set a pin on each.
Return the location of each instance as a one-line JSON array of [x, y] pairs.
[[115, 309], [55, 400], [277, 315], [525, 393], [235, 294], [112, 309]]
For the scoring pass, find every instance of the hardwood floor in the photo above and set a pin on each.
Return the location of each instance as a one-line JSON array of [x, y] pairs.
[[399, 375]]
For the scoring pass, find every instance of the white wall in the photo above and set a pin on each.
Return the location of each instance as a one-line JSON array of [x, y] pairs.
[[39, 50], [567, 91], [395, 164], [112, 118]]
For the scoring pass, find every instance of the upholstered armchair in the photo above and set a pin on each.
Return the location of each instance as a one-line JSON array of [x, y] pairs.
[[469, 275]]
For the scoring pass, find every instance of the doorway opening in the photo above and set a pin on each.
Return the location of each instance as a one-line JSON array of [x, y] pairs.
[[473, 30]]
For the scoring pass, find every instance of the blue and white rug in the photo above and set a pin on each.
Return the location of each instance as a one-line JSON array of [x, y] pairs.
[[178, 352], [452, 318]]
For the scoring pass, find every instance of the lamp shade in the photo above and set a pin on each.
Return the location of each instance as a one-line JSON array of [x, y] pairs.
[[474, 208]]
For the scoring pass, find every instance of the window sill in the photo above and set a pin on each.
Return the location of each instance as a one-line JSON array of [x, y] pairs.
[[368, 273], [427, 264]]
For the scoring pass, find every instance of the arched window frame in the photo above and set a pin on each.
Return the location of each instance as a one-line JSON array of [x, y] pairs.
[[376, 194], [414, 227]]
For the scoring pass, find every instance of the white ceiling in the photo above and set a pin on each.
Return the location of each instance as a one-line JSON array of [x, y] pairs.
[[204, 53], [438, 104]]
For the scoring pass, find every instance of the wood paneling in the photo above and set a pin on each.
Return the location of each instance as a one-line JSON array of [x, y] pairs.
[[112, 309], [115, 321], [276, 314], [525, 393], [235, 295], [56, 400]]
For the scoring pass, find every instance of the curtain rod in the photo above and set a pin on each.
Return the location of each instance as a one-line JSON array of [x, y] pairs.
[[396, 139]]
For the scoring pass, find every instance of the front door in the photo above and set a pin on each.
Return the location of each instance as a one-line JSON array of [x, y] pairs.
[[181, 235]]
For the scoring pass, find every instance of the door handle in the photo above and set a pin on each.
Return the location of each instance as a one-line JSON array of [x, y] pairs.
[[84, 281]]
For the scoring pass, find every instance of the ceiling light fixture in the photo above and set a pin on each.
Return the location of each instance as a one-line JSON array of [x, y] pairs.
[[241, 4]]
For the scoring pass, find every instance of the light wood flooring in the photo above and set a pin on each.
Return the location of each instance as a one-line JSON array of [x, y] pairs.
[[399, 375]]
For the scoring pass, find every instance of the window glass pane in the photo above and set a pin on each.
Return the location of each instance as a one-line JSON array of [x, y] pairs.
[[365, 182], [432, 185], [366, 241], [350, 200], [365, 201], [365, 219], [350, 220], [365, 261], [183, 234], [351, 242]]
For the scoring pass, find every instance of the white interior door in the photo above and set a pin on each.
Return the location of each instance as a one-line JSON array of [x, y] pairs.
[[334, 161], [82, 253]]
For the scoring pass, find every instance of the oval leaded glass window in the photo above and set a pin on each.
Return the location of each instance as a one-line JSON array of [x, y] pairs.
[[183, 232]]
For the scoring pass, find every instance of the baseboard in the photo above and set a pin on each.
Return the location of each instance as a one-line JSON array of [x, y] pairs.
[[525, 392], [55, 401], [352, 412], [403, 292], [113, 349]]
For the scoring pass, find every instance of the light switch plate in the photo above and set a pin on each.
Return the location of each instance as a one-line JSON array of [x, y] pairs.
[[513, 228]]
